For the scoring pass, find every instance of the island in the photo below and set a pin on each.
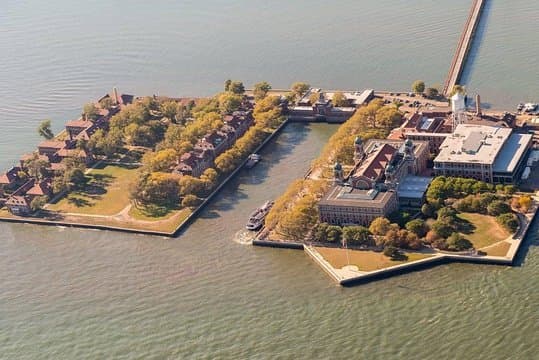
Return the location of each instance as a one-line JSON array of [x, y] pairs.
[[409, 181], [140, 164]]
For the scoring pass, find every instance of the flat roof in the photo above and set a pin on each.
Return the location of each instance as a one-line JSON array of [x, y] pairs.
[[511, 152], [471, 143], [413, 187], [341, 195]]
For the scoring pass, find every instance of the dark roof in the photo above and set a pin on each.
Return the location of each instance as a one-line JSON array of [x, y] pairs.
[[10, 176], [41, 188]]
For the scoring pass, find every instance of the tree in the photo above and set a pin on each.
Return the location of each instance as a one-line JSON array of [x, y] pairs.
[[388, 117], [160, 161], [456, 242], [525, 202], [157, 188], [510, 189], [236, 87], [38, 202], [190, 201], [261, 89], [394, 254], [442, 229], [498, 207], [299, 89], [107, 103], [90, 112], [418, 86], [227, 85], [169, 109], [334, 234], [509, 221], [447, 214], [380, 226], [320, 232], [428, 210], [339, 99], [44, 129], [431, 93], [359, 235], [229, 102], [418, 227], [36, 166]]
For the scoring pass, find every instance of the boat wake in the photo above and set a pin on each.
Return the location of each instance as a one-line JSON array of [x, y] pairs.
[[244, 237]]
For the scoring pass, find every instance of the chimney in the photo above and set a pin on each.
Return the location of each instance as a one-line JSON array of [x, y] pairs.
[[115, 95], [478, 105]]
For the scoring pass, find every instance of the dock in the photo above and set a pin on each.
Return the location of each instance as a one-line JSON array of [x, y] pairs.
[[463, 47]]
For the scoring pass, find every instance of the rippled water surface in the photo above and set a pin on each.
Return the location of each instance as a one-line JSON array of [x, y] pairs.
[[79, 294]]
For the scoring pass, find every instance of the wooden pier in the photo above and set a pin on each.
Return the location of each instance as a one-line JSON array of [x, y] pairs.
[[464, 44]]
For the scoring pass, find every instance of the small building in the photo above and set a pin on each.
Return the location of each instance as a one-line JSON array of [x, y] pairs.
[[19, 205], [11, 177], [411, 191], [75, 127], [51, 147]]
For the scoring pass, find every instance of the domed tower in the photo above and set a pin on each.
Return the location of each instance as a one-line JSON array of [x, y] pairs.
[[359, 153], [409, 149], [338, 174]]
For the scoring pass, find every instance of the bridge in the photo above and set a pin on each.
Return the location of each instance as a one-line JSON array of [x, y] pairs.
[[464, 44]]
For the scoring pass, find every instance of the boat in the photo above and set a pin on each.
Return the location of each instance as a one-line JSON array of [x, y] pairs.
[[530, 107], [252, 160], [256, 220]]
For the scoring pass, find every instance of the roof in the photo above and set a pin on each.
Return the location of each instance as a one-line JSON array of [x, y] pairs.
[[9, 176], [79, 123], [413, 187], [473, 143], [41, 188], [18, 200], [340, 195], [54, 144], [512, 151], [375, 163]]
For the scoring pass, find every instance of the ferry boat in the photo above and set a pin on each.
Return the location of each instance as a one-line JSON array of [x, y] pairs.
[[252, 160], [256, 220], [530, 107]]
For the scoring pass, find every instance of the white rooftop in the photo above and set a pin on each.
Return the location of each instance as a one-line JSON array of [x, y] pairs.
[[512, 151], [471, 143]]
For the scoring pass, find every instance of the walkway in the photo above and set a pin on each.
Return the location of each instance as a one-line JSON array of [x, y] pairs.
[[465, 41]]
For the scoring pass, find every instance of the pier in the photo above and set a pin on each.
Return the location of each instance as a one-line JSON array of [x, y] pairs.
[[464, 44]]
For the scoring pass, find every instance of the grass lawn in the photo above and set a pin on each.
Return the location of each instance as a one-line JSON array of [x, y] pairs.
[[106, 192], [484, 230], [500, 249], [364, 260]]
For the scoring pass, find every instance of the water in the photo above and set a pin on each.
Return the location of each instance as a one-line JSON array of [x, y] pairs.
[[79, 294]]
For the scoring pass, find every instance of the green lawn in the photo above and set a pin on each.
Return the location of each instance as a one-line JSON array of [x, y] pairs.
[[364, 260], [106, 192], [484, 230]]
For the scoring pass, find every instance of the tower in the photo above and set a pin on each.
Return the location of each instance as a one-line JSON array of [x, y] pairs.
[[359, 152], [478, 111], [338, 174]]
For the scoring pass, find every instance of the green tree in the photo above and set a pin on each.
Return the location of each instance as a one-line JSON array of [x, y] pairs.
[[431, 93], [227, 85], [394, 254], [334, 234], [107, 103], [261, 89], [456, 242], [170, 109], [498, 207], [418, 86], [442, 229], [229, 102], [36, 166], [428, 210], [359, 235], [190, 201], [44, 130], [339, 100], [38, 202], [320, 232], [418, 227], [236, 87], [90, 112], [509, 221], [161, 161]]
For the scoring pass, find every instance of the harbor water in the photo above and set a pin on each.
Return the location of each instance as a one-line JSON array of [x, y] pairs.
[[81, 294]]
